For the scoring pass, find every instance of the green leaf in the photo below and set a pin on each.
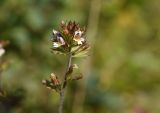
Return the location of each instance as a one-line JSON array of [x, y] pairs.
[[74, 48], [75, 74], [81, 54]]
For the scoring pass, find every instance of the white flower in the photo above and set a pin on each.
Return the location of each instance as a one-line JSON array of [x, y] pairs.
[[2, 51], [56, 44], [78, 33], [78, 37], [55, 32], [79, 40], [58, 39]]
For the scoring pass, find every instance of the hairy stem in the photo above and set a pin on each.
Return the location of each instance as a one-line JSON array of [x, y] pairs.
[[69, 62], [61, 101]]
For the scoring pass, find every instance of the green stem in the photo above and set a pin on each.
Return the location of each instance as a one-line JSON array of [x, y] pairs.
[[64, 83], [61, 101]]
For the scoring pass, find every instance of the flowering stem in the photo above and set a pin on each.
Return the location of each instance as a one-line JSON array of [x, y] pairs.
[[62, 91]]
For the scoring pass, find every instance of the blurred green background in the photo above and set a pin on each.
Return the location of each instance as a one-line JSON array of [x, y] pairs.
[[122, 74]]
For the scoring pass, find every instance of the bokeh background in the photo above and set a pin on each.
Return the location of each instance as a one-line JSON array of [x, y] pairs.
[[121, 75]]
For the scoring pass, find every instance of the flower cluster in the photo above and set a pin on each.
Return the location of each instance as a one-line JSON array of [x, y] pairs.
[[69, 38], [53, 83]]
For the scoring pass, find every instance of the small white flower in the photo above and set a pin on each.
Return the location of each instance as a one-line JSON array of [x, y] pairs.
[[56, 44], [59, 39], [78, 33], [53, 75], [82, 39], [2, 51], [79, 41], [78, 37], [55, 32], [44, 82]]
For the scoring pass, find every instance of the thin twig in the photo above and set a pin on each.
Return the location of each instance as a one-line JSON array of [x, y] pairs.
[[61, 101], [67, 69], [64, 83]]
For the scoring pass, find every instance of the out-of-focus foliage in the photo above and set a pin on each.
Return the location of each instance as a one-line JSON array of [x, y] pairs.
[[125, 72]]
